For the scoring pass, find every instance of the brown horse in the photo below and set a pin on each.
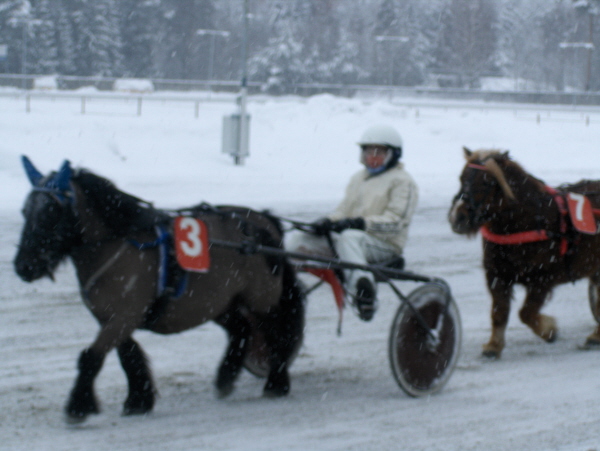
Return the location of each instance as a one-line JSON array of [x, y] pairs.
[[128, 282], [529, 238]]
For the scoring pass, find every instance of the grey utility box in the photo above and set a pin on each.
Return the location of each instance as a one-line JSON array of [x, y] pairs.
[[233, 142]]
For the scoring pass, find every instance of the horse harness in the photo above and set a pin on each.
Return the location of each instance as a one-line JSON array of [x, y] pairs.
[[534, 236], [172, 278]]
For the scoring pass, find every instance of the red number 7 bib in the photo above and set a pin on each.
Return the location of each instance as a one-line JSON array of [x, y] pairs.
[[581, 213]]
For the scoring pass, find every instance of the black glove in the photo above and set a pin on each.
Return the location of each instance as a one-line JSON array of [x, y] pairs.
[[321, 226], [348, 223]]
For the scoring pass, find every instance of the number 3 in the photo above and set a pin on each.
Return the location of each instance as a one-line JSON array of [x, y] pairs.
[[193, 246]]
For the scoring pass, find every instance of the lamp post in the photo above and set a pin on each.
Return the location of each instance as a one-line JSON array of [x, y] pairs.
[[399, 39], [236, 127], [591, 10], [244, 119], [212, 34]]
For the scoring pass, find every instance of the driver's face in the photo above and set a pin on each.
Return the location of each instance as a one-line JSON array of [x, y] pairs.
[[374, 155]]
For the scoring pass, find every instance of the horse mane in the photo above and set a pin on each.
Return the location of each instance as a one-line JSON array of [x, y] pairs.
[[122, 213], [501, 166]]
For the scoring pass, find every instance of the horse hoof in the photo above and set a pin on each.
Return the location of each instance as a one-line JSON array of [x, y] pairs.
[[140, 410], [590, 344], [276, 392], [139, 403], [74, 419], [224, 392], [552, 337], [78, 409], [490, 355], [491, 351]]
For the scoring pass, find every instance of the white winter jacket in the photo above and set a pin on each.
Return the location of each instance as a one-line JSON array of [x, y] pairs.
[[385, 201]]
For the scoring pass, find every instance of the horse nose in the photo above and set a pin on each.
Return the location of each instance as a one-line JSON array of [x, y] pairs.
[[24, 271]]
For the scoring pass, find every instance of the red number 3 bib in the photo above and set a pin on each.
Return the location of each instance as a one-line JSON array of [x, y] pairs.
[[191, 244]]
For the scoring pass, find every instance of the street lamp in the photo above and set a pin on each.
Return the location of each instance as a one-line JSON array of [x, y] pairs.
[[586, 6], [236, 127], [399, 39], [212, 34]]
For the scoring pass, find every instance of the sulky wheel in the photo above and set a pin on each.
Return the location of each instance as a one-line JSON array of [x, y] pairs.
[[422, 364], [257, 354], [593, 296]]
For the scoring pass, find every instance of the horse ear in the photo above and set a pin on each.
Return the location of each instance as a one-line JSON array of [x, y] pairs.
[[63, 177], [467, 152], [33, 174]]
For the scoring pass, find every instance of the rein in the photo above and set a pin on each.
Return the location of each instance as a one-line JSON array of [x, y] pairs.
[[94, 277]]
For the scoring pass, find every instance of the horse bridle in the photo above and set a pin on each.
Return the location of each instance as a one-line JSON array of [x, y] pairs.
[[476, 210], [65, 200]]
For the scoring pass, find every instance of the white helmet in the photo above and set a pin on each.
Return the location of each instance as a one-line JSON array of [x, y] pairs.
[[384, 135]]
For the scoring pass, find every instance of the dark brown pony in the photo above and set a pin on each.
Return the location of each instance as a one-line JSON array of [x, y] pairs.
[[111, 237], [529, 238]]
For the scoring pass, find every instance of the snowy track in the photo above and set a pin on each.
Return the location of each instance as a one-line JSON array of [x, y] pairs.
[[537, 397]]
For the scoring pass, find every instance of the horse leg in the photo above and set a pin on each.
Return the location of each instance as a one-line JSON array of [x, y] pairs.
[[239, 328], [278, 380], [82, 400], [501, 292], [542, 325], [284, 334], [593, 340], [140, 399]]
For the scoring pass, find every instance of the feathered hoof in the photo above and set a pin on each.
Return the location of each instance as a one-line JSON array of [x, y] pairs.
[[79, 407], [75, 418], [276, 392], [224, 391], [139, 402], [278, 389]]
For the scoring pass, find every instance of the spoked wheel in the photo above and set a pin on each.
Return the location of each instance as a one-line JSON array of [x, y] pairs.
[[257, 354], [594, 300], [422, 363]]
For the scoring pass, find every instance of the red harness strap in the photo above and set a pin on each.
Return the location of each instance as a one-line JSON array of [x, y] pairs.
[[531, 236]]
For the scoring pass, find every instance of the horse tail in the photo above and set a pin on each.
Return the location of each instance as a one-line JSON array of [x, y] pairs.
[[292, 310]]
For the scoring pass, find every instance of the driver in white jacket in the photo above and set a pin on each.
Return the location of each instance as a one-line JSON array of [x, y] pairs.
[[371, 223]]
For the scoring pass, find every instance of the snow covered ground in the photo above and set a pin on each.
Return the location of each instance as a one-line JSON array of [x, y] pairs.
[[537, 397]]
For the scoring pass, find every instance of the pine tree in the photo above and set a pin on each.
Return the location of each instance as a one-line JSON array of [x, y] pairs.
[[468, 40], [15, 31], [97, 37], [66, 51], [44, 45], [185, 53], [139, 22], [280, 61]]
